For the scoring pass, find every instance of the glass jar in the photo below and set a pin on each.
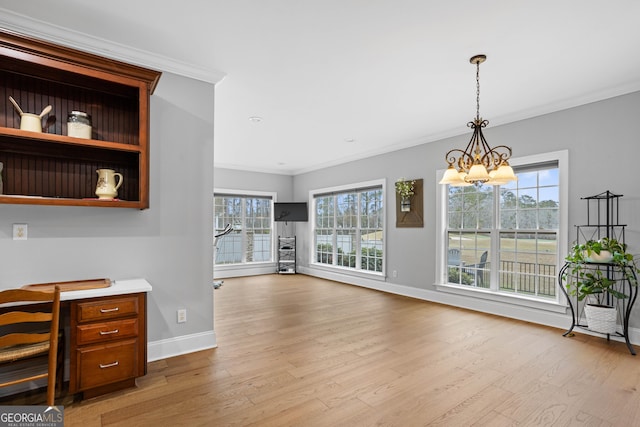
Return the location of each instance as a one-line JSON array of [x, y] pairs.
[[79, 125]]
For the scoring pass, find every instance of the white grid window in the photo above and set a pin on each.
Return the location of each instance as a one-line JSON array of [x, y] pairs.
[[349, 228], [506, 239], [251, 239]]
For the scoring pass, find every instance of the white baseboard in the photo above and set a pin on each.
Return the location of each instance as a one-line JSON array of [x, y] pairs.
[[542, 317], [157, 350], [227, 272]]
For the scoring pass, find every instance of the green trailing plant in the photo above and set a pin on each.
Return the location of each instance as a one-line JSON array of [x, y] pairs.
[[405, 188], [586, 278]]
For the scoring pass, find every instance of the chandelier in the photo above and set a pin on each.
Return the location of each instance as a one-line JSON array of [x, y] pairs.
[[478, 163]]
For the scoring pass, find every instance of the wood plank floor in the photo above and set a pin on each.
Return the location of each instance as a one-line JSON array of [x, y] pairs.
[[299, 351]]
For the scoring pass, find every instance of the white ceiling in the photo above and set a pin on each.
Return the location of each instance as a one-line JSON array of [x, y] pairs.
[[337, 80]]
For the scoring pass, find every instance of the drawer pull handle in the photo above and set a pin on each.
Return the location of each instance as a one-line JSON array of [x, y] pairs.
[[109, 310], [109, 365], [115, 331]]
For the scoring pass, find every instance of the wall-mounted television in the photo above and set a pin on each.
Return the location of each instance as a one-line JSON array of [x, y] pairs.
[[291, 211]]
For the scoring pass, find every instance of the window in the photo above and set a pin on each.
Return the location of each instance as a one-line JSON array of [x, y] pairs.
[[251, 219], [349, 227], [507, 239]]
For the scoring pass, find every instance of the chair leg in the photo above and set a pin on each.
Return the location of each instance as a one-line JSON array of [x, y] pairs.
[[60, 367]]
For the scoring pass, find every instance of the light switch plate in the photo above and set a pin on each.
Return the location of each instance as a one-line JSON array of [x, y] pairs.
[[20, 231]]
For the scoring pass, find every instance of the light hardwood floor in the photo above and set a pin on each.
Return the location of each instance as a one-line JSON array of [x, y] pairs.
[[299, 351]]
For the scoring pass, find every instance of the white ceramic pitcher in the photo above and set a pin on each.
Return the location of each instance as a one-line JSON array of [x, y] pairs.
[[107, 187]]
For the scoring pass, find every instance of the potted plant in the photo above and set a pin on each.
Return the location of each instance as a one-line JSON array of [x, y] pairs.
[[405, 189], [591, 276]]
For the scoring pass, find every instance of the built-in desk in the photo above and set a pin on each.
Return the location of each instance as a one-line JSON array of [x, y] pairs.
[[107, 336]]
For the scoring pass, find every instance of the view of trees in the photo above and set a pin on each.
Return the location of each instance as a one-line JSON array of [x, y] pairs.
[[251, 238], [526, 228], [350, 223]]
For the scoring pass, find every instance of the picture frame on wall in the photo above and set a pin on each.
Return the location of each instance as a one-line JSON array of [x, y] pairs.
[[410, 213]]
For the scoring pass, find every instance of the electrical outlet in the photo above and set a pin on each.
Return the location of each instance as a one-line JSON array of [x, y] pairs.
[[19, 231], [395, 273], [182, 315]]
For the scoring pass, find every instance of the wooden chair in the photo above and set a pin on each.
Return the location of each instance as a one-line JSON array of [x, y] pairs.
[[23, 335]]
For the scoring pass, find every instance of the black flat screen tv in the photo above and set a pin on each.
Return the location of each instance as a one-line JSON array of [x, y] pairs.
[[292, 211]]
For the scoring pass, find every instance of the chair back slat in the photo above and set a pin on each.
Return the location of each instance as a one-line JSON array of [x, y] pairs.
[[24, 296], [21, 309], [23, 338], [14, 317]]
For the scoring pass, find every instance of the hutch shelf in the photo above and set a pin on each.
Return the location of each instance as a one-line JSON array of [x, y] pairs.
[[51, 168]]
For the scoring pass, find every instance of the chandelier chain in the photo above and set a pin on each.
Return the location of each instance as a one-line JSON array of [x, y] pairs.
[[478, 90]]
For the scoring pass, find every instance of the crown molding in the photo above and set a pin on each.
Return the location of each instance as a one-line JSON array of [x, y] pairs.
[[27, 26]]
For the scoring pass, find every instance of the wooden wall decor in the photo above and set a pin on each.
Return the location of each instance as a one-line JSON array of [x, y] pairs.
[[415, 216]]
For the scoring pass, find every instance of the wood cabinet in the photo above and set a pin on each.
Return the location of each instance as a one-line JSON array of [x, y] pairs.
[[108, 343], [51, 168]]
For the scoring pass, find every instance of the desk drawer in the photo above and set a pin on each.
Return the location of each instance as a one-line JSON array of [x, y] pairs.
[[107, 309], [106, 331], [108, 363]]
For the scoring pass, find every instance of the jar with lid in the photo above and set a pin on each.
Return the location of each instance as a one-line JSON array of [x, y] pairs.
[[79, 125]]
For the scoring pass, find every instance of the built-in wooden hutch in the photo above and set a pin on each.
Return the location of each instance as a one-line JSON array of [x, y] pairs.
[[51, 168]]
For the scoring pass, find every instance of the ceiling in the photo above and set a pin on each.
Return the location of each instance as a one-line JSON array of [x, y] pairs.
[[338, 80]]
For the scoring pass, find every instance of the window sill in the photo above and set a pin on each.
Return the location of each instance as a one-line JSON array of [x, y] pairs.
[[223, 267], [487, 294], [373, 275]]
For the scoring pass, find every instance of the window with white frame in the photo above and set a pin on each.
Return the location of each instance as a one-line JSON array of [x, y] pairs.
[[349, 227], [251, 219], [507, 239]]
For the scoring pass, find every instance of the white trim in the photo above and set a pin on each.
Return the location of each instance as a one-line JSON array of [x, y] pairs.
[[348, 187], [344, 272], [183, 344], [226, 271], [516, 299], [272, 194], [81, 41]]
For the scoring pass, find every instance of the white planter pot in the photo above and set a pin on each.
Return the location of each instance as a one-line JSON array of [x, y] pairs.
[[601, 318], [602, 257]]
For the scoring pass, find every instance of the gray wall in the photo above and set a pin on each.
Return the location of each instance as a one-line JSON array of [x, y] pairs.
[[602, 140], [254, 181], [168, 244]]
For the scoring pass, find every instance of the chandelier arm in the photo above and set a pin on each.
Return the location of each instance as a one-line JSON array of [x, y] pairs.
[[451, 159], [488, 159], [502, 156]]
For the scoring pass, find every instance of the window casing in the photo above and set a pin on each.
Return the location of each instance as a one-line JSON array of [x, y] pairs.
[[251, 218], [348, 227], [507, 240]]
